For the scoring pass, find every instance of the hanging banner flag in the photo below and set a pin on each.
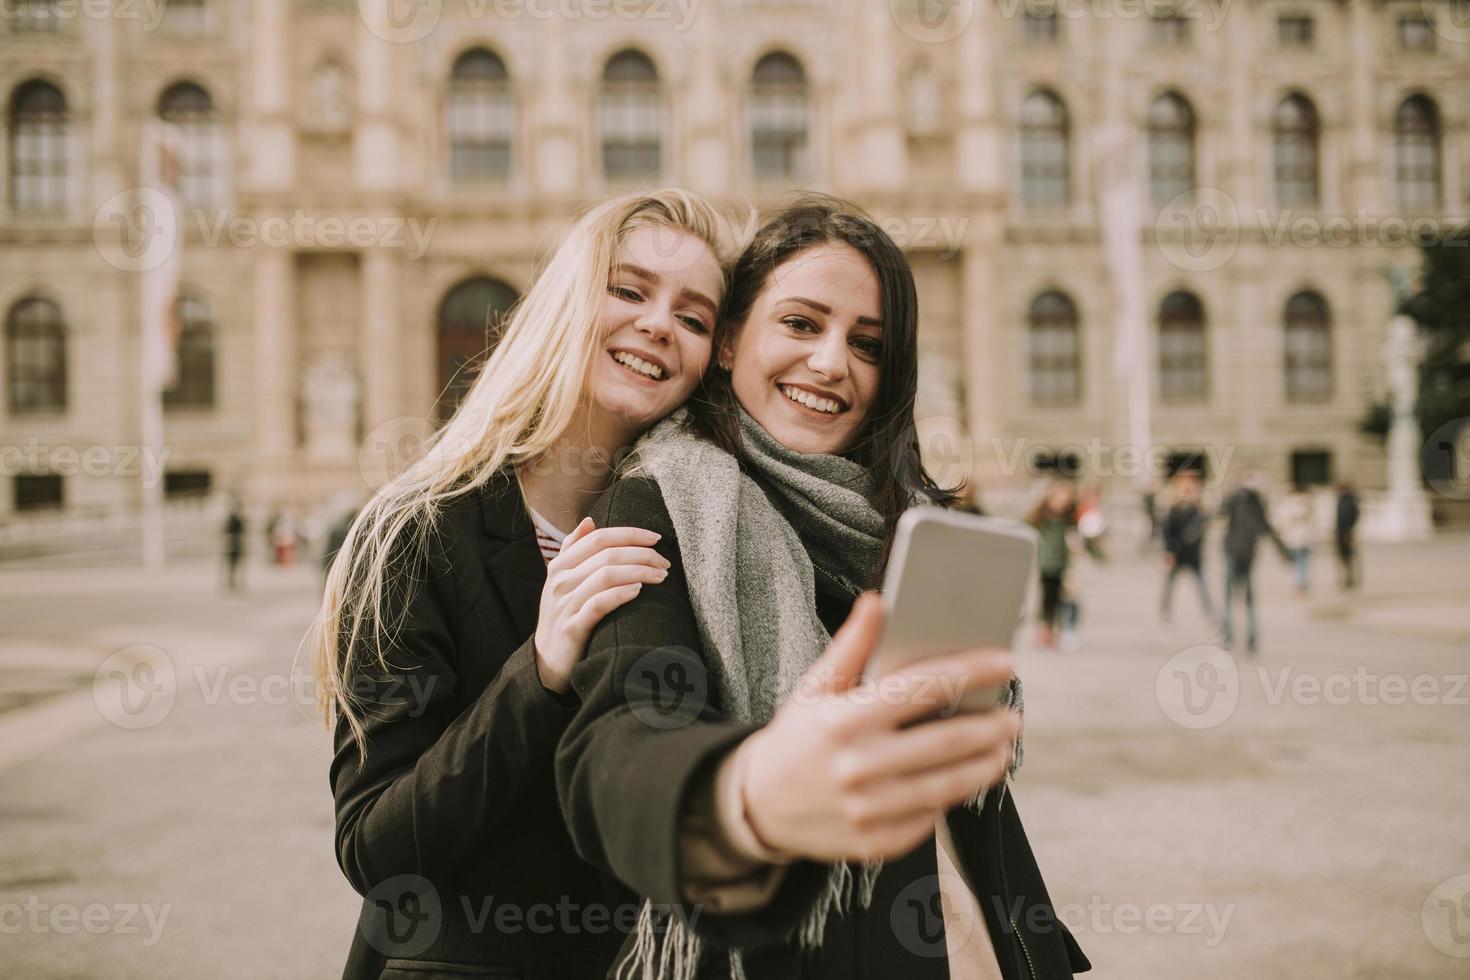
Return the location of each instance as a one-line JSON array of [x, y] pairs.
[[159, 214]]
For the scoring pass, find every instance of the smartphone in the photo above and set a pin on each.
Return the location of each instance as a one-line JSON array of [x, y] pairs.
[[955, 581]]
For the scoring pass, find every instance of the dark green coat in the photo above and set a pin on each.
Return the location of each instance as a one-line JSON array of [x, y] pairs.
[[650, 731]]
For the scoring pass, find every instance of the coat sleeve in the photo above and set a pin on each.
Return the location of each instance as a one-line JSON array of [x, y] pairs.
[[436, 780], [649, 733]]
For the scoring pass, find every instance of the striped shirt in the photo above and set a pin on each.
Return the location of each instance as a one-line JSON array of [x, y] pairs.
[[548, 538]]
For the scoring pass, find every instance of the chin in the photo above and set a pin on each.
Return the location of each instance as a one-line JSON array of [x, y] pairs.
[[802, 440]]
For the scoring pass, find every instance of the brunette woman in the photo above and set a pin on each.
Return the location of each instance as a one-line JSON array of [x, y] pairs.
[[798, 822], [447, 686]]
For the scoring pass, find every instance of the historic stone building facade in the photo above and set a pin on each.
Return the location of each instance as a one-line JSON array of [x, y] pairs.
[[364, 179]]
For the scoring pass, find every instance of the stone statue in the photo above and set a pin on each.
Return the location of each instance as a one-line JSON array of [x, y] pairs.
[[1403, 514], [330, 396], [331, 100], [1400, 280], [924, 100]]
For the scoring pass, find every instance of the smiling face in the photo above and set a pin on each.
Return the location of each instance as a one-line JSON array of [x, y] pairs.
[[804, 363], [657, 319]]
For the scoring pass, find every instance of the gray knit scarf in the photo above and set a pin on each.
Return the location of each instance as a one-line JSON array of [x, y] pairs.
[[749, 560]]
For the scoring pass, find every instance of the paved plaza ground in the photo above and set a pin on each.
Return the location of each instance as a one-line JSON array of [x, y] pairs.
[[1303, 813]]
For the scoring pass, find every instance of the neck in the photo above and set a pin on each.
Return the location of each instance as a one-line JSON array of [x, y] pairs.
[[564, 483]]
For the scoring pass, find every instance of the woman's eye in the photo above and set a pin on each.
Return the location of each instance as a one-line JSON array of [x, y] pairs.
[[695, 323], [868, 347], [624, 292], [799, 323]]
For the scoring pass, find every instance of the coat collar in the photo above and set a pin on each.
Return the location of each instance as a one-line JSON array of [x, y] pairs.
[[509, 551]]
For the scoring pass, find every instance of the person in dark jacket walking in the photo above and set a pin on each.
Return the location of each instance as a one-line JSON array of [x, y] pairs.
[[235, 530], [1347, 540], [1184, 538], [1055, 518], [777, 821], [448, 686], [1245, 523]]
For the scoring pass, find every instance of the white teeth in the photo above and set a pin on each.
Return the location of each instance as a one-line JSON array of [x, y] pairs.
[[638, 364], [810, 400]]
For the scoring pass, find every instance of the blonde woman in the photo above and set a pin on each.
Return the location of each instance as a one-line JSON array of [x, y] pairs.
[[457, 607]]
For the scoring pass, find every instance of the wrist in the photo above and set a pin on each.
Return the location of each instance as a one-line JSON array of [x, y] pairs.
[[737, 810], [552, 677]]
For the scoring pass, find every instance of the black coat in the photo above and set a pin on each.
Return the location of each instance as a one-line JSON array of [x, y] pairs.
[[1184, 534], [451, 828], [1245, 514], [650, 732]]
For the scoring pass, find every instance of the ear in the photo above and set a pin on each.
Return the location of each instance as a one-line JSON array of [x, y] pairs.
[[726, 357]]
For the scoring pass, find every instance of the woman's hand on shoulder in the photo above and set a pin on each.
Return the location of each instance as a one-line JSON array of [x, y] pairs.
[[598, 570]]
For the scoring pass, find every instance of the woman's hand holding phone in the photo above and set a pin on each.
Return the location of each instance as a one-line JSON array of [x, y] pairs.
[[598, 570], [843, 773]]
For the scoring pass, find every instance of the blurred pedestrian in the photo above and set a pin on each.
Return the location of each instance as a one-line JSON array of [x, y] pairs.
[[1183, 530], [1347, 542], [284, 539], [1245, 515], [1150, 500], [235, 528], [967, 498], [1298, 520], [1054, 518], [336, 535], [1092, 525]]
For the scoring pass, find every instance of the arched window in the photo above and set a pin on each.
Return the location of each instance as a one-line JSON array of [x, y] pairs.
[[1294, 135], [778, 119], [1044, 157], [1170, 148], [35, 355], [1416, 154], [194, 383], [1308, 335], [481, 117], [469, 324], [38, 148], [190, 111], [1056, 361], [631, 117], [1184, 359]]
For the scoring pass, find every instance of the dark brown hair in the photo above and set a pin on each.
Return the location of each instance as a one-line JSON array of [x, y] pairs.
[[887, 446]]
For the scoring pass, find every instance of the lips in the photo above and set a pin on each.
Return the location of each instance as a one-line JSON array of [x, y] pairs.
[[815, 399]]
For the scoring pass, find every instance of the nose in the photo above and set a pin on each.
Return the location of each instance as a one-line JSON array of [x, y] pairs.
[[656, 322], [829, 356]]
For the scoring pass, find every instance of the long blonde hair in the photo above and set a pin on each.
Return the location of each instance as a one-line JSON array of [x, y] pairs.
[[523, 401]]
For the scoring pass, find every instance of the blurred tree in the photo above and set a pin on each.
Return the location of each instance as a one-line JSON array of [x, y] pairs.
[[1442, 309]]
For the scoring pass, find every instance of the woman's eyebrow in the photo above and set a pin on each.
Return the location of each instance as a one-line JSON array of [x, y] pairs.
[[653, 279], [825, 310]]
